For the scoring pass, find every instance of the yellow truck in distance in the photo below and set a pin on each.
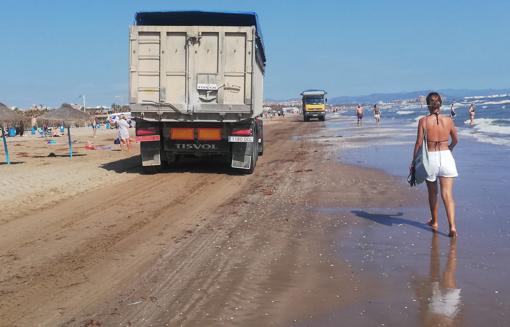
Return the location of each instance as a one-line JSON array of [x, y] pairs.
[[314, 104]]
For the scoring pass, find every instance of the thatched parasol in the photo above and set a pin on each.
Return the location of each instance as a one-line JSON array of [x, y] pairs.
[[66, 114], [7, 115]]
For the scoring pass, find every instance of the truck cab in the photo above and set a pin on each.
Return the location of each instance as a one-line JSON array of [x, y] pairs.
[[314, 104]]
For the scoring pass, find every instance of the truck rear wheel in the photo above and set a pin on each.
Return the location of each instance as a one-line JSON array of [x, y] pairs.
[[254, 154], [260, 136]]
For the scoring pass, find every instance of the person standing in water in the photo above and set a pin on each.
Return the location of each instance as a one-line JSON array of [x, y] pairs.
[[471, 114], [438, 129], [359, 114], [377, 114], [452, 111]]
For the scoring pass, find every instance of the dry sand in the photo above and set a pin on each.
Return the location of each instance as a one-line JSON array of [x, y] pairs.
[[91, 241], [36, 180]]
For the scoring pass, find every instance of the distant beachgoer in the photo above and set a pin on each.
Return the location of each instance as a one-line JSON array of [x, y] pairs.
[[439, 128], [471, 114], [94, 126], [452, 111], [21, 128], [359, 114], [377, 114], [123, 132]]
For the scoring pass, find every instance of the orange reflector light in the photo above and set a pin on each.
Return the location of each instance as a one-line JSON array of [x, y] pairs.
[[187, 134], [209, 134]]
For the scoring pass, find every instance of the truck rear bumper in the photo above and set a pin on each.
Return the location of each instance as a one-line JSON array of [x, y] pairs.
[[315, 113]]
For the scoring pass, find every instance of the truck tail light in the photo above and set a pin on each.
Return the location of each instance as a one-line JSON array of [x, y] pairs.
[[146, 131], [242, 132], [183, 134], [209, 134]]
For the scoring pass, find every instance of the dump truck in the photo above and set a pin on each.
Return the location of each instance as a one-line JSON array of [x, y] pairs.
[[314, 104], [196, 87]]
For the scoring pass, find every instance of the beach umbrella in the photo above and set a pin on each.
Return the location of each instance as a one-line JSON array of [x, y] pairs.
[[67, 115], [7, 115]]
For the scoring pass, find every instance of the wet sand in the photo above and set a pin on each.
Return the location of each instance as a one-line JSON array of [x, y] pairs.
[[427, 279]]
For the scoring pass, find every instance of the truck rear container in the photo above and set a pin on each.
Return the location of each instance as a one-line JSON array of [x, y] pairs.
[[196, 86]]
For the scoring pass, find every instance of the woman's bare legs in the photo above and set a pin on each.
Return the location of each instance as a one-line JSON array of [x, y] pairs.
[[449, 203], [432, 188]]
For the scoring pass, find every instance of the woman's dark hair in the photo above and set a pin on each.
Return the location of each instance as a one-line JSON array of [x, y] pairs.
[[433, 94]]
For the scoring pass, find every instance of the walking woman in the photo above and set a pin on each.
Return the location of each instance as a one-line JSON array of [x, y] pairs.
[[439, 130]]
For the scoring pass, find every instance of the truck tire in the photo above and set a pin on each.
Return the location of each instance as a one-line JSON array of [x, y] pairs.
[[261, 146], [254, 156], [323, 118], [307, 118]]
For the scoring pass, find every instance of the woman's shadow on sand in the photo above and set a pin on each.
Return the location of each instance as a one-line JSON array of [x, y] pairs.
[[393, 219]]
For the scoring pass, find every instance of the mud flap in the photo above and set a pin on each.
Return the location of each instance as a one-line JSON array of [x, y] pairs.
[[242, 155], [150, 153]]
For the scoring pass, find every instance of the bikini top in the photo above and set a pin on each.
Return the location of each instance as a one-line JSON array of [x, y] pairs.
[[438, 142]]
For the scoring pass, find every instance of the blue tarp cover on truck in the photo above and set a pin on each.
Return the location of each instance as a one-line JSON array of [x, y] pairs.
[[203, 18]]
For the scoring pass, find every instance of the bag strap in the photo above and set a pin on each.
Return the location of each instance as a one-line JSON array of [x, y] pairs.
[[425, 129]]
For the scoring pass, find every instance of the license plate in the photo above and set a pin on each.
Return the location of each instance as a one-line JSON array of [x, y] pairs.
[[245, 139]]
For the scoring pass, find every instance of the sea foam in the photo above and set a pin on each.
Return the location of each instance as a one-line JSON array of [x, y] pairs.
[[491, 126], [405, 112]]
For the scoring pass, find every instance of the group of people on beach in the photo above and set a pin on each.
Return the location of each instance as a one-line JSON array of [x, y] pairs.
[[375, 110], [471, 111], [377, 114]]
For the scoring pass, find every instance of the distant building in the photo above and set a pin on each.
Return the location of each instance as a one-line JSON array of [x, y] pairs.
[[291, 110]]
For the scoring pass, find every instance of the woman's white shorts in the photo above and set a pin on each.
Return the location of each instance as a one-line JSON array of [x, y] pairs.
[[442, 164]]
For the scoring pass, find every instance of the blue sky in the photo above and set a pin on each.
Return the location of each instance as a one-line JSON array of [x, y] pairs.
[[54, 51]]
